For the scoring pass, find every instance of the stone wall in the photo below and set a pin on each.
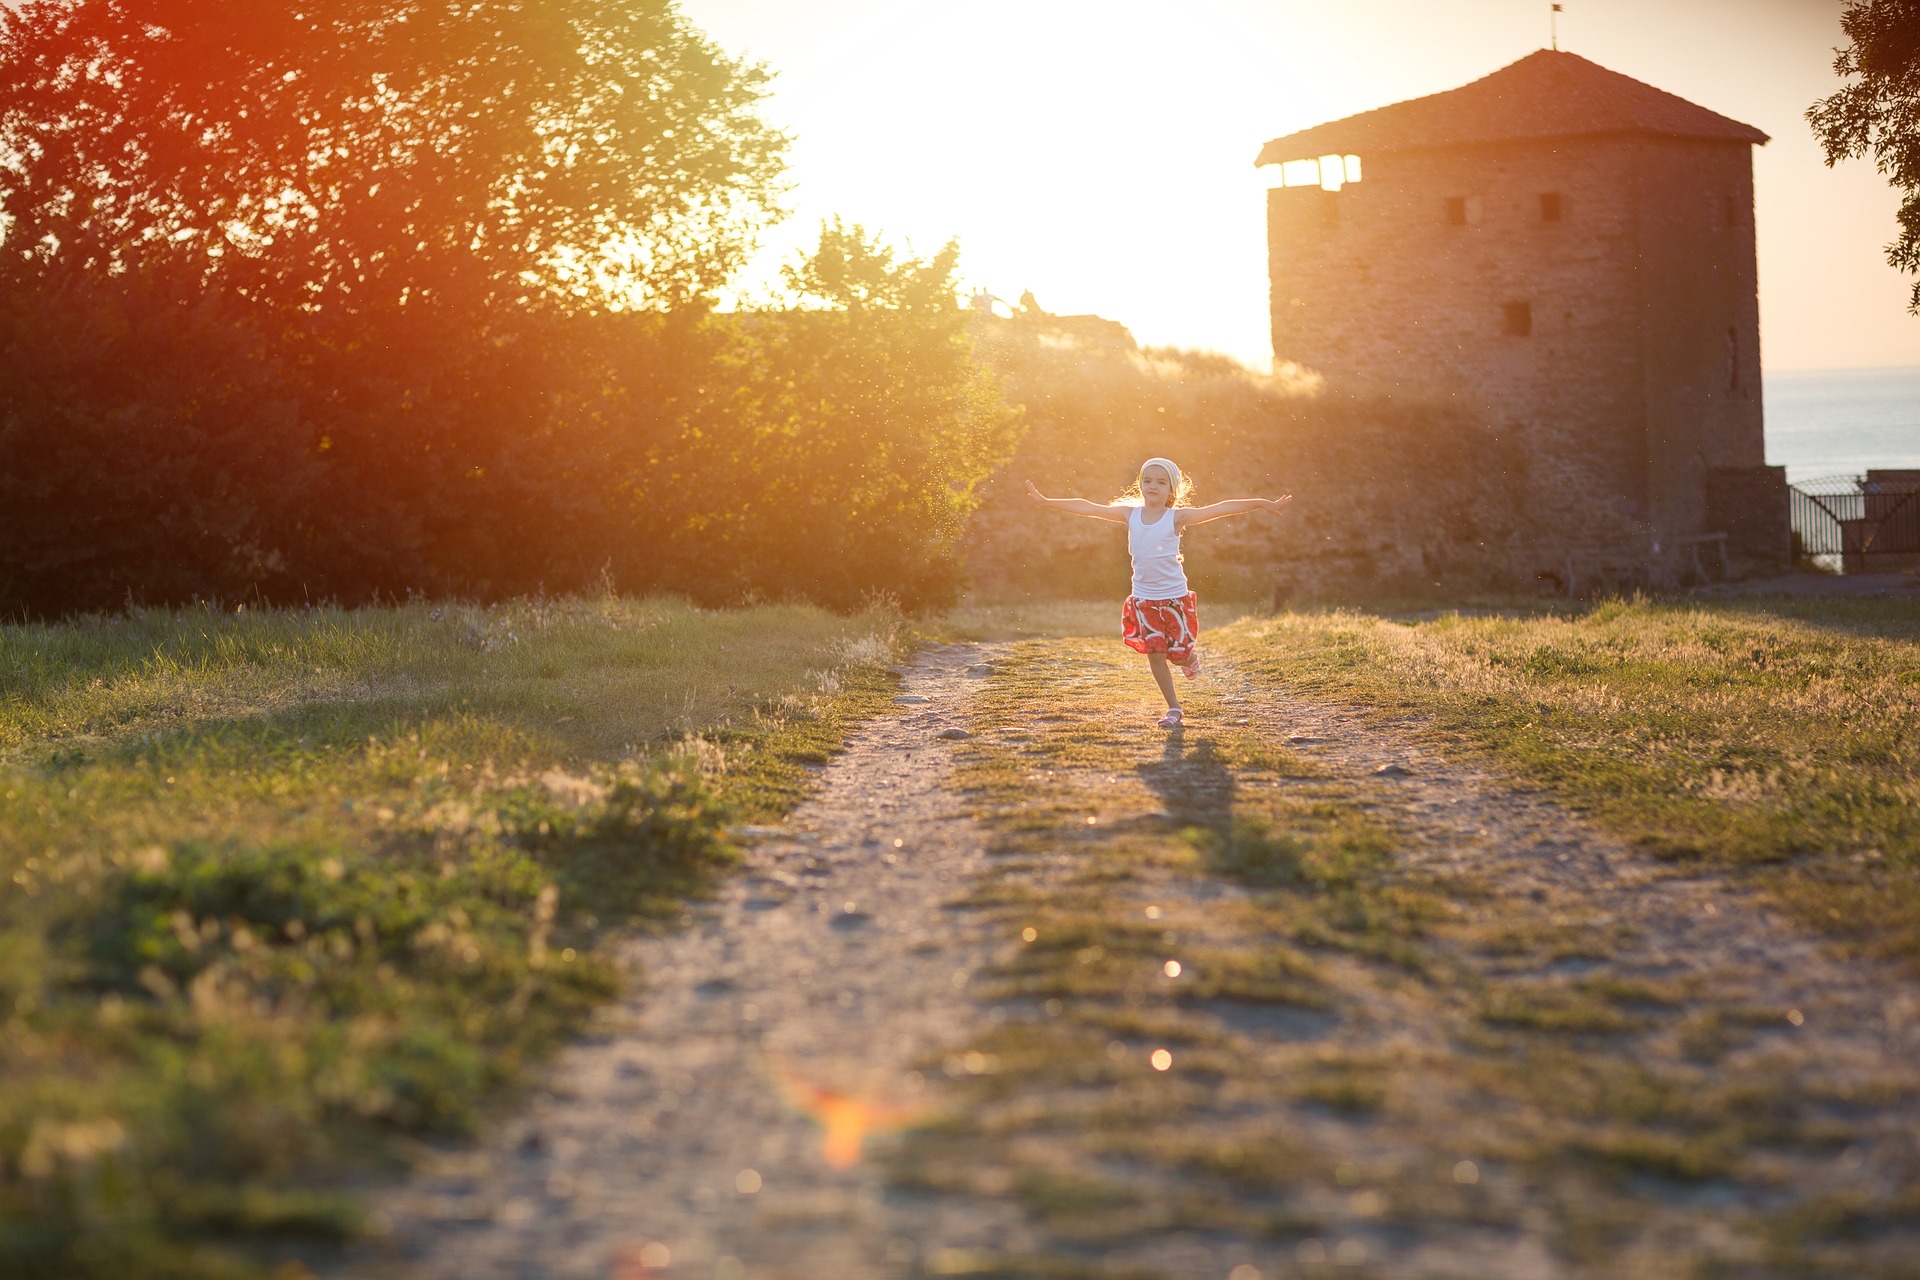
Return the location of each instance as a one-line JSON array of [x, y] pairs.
[[1391, 498], [1576, 295], [1750, 505]]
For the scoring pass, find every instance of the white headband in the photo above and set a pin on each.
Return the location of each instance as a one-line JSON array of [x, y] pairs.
[[1173, 472]]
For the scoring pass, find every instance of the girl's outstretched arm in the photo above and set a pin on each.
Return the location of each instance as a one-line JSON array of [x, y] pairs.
[[1079, 506], [1230, 507]]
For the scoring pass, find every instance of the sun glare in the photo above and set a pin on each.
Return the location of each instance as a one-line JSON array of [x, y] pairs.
[[845, 1118], [1100, 155], [1329, 173]]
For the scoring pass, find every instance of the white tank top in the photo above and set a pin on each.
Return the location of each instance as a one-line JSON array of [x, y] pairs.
[[1155, 549]]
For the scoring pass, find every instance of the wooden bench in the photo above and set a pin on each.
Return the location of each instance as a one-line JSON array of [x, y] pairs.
[[1610, 568], [1691, 546], [1621, 568]]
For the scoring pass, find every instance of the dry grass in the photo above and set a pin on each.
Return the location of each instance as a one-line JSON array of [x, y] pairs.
[[1043, 618], [1776, 735]]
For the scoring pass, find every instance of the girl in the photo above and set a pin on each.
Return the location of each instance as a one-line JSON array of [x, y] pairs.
[[1161, 618]]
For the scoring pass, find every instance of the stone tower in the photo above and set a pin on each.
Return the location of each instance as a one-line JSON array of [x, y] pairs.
[[1566, 250]]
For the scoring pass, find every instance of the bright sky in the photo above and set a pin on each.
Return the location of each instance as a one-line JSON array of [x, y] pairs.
[[1100, 152]]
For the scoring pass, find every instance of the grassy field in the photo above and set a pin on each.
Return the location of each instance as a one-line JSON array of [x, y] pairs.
[[288, 890], [1782, 736], [1243, 1002]]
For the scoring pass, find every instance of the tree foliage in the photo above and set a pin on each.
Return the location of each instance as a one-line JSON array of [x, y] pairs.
[[344, 153], [1878, 113], [346, 300]]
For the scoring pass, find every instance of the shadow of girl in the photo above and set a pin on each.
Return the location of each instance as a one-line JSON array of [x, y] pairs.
[[1193, 783]]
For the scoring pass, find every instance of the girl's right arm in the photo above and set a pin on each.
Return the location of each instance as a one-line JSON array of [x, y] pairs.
[[1079, 506]]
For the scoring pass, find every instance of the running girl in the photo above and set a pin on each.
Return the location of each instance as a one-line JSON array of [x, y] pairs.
[[1161, 618]]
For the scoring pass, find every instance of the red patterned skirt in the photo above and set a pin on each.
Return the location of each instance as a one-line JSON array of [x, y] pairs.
[[1161, 626]]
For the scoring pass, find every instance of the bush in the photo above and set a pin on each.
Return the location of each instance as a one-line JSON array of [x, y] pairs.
[[160, 445]]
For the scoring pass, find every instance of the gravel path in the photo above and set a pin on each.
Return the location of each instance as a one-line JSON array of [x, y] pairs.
[[711, 1128], [703, 1130]]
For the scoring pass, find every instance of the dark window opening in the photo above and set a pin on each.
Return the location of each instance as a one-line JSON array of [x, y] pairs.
[[1550, 206], [1519, 319], [1456, 211], [1733, 360]]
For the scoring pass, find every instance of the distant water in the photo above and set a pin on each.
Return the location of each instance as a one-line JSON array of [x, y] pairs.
[[1839, 422]]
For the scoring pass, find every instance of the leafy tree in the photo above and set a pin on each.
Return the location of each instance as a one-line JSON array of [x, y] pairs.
[[353, 298], [840, 444], [344, 153], [290, 293], [1879, 113]]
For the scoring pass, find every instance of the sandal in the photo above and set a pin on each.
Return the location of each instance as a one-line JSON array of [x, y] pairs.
[[1191, 667], [1171, 720]]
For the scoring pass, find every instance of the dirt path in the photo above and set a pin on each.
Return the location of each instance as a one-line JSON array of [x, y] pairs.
[[694, 1130], [1806, 1064], [1522, 1049]]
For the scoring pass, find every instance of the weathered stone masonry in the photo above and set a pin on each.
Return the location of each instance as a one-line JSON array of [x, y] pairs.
[[1567, 251]]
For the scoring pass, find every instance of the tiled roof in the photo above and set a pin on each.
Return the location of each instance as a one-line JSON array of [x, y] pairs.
[[1544, 95]]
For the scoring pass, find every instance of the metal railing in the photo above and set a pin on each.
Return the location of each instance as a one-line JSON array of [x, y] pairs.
[[1858, 524]]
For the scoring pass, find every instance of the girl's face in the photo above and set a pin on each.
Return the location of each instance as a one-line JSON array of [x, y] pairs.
[[1156, 486]]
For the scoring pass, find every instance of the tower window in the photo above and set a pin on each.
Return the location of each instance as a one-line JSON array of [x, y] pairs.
[[1519, 319], [1456, 211], [1550, 206]]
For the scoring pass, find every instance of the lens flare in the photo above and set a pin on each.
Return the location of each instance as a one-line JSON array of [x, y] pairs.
[[846, 1120]]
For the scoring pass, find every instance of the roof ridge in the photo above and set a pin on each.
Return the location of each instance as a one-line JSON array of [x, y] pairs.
[[1547, 94]]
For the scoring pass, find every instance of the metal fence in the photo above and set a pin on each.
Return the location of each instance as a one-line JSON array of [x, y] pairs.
[[1859, 524]]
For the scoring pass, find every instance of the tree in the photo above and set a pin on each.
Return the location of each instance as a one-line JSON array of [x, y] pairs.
[[290, 294], [351, 153], [1879, 113], [840, 444]]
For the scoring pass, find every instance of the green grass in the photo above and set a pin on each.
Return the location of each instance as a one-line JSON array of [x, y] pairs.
[[1345, 1028], [1782, 735], [287, 891]]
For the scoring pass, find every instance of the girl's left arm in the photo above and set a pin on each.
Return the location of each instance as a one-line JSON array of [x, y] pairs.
[[1230, 507]]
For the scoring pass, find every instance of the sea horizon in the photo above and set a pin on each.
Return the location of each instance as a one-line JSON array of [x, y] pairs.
[[1842, 422]]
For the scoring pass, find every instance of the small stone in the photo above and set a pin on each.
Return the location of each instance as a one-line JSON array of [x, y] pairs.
[[1303, 740], [1392, 771], [980, 669], [953, 735], [912, 699]]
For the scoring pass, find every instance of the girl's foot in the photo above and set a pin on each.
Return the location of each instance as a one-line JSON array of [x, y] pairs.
[[1191, 667], [1171, 720]]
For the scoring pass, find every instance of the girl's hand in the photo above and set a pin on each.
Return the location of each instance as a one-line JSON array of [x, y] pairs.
[[1277, 505]]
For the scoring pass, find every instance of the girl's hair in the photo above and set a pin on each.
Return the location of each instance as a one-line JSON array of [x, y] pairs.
[[1182, 488]]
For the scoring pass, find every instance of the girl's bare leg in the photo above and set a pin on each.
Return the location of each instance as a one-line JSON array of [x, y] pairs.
[[1163, 676]]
